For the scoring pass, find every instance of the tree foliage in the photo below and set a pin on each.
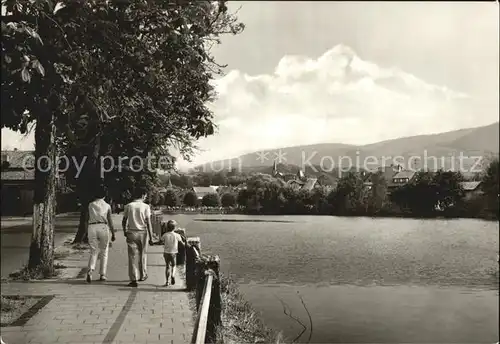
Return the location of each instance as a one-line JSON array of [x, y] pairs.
[[348, 194], [211, 200], [190, 199], [219, 178], [449, 192], [430, 192], [136, 73], [427, 194], [228, 199], [375, 197], [119, 78], [491, 179], [171, 199]]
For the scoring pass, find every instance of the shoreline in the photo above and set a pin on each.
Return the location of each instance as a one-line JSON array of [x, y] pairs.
[[227, 211], [241, 323]]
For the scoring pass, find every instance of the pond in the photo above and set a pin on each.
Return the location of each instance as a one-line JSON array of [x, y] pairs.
[[361, 279]]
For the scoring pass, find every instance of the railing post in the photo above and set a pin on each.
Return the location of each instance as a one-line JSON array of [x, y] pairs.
[[192, 254], [156, 222], [181, 255], [200, 284], [215, 310]]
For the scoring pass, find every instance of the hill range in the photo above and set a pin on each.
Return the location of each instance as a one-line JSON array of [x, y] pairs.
[[430, 152]]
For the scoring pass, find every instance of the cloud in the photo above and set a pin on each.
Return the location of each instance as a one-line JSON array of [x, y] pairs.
[[336, 97]]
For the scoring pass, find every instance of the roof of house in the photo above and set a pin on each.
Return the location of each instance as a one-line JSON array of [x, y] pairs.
[[203, 190], [404, 174], [387, 173], [469, 186], [18, 159], [18, 175], [18, 165]]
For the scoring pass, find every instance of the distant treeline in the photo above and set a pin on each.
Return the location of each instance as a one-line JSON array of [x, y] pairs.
[[428, 194]]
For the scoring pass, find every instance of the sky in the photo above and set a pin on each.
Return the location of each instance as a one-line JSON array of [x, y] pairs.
[[349, 72]]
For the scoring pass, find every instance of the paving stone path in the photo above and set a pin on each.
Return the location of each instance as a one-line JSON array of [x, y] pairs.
[[106, 312]]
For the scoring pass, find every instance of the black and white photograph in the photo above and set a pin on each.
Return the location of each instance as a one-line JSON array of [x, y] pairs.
[[249, 172]]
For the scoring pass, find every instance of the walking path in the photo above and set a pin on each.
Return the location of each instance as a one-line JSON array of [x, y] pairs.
[[15, 221], [106, 312]]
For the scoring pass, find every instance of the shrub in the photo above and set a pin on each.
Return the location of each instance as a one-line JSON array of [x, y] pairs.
[[190, 199], [211, 200], [161, 200], [171, 199], [242, 198], [155, 199], [228, 200]]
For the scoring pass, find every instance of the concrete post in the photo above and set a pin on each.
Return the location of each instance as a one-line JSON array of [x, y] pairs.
[[181, 255], [156, 222], [215, 310], [192, 253]]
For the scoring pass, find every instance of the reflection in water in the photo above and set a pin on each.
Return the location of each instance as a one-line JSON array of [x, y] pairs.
[[364, 280], [352, 314]]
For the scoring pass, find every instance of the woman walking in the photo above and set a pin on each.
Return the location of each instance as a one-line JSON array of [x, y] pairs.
[[100, 225]]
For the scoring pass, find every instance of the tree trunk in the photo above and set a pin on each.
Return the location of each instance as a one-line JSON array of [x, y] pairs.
[[90, 175], [42, 241], [81, 234]]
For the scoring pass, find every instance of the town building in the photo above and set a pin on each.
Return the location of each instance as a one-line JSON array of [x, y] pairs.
[[297, 181], [387, 173], [401, 178], [472, 189], [201, 191], [18, 184]]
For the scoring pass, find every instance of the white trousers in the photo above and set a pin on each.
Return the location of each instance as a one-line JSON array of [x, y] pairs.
[[99, 236]]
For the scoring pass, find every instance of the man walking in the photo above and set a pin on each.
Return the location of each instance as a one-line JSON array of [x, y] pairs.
[[136, 227]]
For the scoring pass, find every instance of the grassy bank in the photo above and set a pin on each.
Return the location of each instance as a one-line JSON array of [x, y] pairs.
[[61, 253], [241, 323]]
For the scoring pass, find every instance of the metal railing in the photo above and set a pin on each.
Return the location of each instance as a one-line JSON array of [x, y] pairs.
[[202, 278], [202, 319]]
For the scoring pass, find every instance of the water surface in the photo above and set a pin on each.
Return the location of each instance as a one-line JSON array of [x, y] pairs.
[[362, 279]]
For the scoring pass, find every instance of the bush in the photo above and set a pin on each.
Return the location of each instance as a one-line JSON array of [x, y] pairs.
[[171, 199], [228, 200], [242, 198], [155, 199], [190, 199], [211, 200], [161, 200]]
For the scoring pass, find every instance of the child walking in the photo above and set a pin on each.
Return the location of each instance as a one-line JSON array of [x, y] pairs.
[[170, 241]]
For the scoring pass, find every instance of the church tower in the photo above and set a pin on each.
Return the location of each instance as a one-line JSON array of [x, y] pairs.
[[300, 175]]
